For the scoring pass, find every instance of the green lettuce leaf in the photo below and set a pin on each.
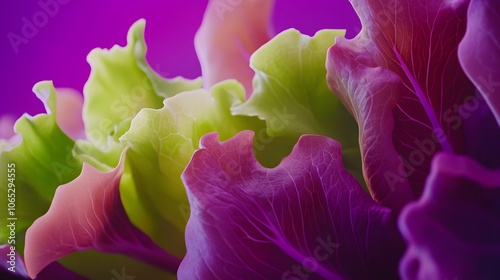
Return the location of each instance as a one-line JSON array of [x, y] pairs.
[[43, 161], [121, 83], [161, 144], [288, 104], [291, 93]]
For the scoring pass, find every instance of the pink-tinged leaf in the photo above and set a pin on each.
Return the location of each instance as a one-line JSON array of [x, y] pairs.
[[230, 32], [479, 51], [8, 138], [453, 231], [413, 44], [87, 214], [7, 127], [69, 104], [305, 218]]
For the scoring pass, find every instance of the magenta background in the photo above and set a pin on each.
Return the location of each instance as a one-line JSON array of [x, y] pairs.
[[59, 49]]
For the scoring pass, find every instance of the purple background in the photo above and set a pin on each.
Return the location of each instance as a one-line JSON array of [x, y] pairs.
[[58, 49]]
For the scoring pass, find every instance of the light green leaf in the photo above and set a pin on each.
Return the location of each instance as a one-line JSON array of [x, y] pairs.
[[120, 84], [43, 161], [161, 144], [291, 93]]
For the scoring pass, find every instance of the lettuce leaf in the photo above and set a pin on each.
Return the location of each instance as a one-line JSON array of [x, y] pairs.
[[305, 218], [121, 83], [453, 230], [43, 160], [291, 93], [479, 51], [230, 32], [48, 156], [94, 220], [162, 141], [481, 133], [69, 105], [161, 144], [403, 83]]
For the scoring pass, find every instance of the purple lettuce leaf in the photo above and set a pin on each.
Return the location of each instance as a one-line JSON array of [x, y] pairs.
[[481, 132], [453, 231], [479, 51], [56, 271], [402, 81], [7, 275], [306, 218], [87, 214]]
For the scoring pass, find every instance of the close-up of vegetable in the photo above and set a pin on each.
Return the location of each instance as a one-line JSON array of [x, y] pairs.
[[334, 140]]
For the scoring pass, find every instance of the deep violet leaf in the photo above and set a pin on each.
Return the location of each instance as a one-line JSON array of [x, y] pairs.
[[56, 271], [479, 51], [412, 44], [453, 231], [6, 275], [86, 214], [481, 132], [230, 32], [307, 217]]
